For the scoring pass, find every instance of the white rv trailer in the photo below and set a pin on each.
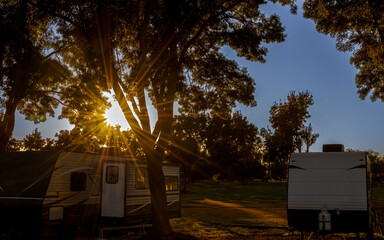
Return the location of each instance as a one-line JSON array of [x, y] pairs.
[[332, 183], [67, 188]]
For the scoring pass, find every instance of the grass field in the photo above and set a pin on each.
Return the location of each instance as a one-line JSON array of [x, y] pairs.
[[233, 211]]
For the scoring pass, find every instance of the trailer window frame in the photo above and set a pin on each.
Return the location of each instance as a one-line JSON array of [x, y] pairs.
[[78, 182], [171, 183], [142, 181], [112, 174]]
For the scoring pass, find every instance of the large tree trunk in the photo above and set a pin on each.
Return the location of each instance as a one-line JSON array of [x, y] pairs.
[[160, 219], [7, 125], [161, 225]]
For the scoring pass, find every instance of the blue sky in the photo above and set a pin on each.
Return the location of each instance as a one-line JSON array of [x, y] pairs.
[[307, 60]]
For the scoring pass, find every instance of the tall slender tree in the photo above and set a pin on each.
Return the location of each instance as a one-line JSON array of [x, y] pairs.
[[287, 118], [308, 137]]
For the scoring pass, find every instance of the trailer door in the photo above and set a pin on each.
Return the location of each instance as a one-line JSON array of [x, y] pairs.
[[113, 190]]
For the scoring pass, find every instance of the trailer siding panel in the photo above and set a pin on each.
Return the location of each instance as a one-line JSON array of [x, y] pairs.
[[335, 181], [327, 180], [137, 201]]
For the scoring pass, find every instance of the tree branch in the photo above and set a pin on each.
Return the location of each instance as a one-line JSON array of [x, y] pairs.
[[144, 118], [42, 93], [203, 27], [45, 58], [65, 18]]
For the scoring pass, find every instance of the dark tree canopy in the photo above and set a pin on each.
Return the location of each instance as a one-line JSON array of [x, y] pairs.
[[29, 76], [208, 144], [358, 27]]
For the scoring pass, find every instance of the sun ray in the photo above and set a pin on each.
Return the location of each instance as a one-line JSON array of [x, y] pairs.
[[114, 115]]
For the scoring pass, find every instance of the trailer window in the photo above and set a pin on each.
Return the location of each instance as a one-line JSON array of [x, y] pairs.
[[142, 178], [78, 181], [112, 174], [171, 183]]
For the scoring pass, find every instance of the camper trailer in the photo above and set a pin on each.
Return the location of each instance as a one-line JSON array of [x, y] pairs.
[[67, 188], [329, 191]]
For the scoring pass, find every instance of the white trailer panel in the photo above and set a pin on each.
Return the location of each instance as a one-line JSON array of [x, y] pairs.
[[335, 181]]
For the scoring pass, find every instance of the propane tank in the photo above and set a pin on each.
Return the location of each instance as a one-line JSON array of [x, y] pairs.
[[324, 220]]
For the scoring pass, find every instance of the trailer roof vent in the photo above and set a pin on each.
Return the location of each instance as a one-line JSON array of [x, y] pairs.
[[333, 148]]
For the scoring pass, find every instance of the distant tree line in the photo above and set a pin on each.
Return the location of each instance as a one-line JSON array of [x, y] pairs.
[[80, 139], [376, 166], [207, 145], [210, 145]]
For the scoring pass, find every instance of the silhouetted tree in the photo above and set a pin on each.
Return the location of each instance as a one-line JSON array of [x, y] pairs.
[[232, 145], [208, 144], [308, 137], [358, 27], [33, 141], [186, 147], [377, 167], [29, 79], [287, 118]]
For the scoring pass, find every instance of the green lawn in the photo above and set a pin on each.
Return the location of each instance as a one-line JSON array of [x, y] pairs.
[[215, 210], [378, 193]]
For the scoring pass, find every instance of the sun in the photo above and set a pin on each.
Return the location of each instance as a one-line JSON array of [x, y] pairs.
[[114, 116]]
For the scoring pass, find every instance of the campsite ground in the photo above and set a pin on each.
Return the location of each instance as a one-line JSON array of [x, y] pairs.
[[226, 211]]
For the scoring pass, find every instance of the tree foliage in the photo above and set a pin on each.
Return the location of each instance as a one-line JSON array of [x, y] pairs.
[[358, 27], [308, 137], [29, 77], [207, 145], [93, 140], [376, 166], [287, 119], [14, 145], [33, 141]]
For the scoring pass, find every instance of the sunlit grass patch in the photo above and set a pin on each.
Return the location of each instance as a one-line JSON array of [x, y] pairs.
[[255, 204], [200, 230]]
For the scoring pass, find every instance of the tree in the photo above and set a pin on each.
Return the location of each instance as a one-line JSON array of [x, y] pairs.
[[88, 139], [186, 146], [14, 145], [287, 118], [233, 145], [377, 167], [50, 144], [33, 141], [358, 27], [308, 137], [208, 145], [305, 136], [28, 79], [170, 50]]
